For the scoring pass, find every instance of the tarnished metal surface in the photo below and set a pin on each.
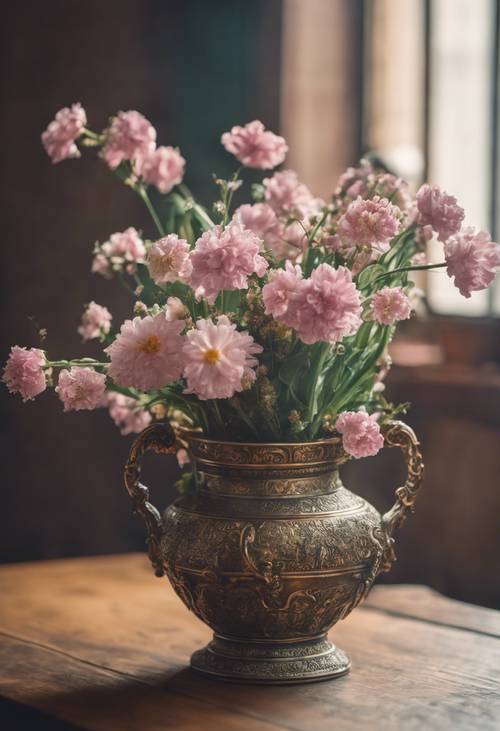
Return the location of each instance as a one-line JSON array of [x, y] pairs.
[[271, 550]]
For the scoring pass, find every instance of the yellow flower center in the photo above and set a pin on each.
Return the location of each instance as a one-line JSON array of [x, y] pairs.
[[151, 346], [211, 356]]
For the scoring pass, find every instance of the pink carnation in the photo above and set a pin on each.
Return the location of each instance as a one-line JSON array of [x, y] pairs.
[[168, 260], [254, 146], [369, 222], [287, 196], [354, 181], [284, 241], [283, 283], [326, 307], [224, 259], [473, 259], [23, 372], [164, 168], [361, 436], [218, 360], [129, 137], [59, 137], [81, 388], [439, 211], [126, 246], [127, 414], [175, 309], [146, 353], [259, 218], [389, 305], [95, 320], [101, 265]]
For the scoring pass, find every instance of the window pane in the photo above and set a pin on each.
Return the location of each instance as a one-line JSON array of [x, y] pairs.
[[461, 63]]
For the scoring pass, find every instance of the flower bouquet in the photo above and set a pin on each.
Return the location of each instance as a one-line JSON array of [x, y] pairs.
[[268, 322], [260, 334]]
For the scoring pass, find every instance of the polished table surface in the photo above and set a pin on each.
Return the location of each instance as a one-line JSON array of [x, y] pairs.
[[101, 644]]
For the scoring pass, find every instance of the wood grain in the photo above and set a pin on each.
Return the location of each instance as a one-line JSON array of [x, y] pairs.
[[103, 644]]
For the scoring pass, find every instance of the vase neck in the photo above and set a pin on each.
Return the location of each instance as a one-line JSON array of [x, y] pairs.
[[265, 483]]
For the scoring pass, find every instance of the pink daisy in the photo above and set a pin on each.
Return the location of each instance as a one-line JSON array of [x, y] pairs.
[[361, 436], [168, 260], [146, 353], [96, 320], [59, 137], [389, 305], [473, 259], [254, 146], [223, 259], [218, 360], [81, 388], [23, 372]]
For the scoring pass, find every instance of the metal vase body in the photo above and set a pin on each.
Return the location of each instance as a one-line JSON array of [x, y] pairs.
[[270, 551]]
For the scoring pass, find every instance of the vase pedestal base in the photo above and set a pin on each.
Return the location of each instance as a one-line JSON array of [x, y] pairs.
[[271, 663]]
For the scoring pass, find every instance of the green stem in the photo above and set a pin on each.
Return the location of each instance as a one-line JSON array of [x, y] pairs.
[[145, 197], [416, 268], [90, 362]]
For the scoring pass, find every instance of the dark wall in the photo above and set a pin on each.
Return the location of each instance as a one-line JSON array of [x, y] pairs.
[[193, 68]]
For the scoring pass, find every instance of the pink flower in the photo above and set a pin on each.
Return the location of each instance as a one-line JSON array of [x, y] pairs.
[[254, 146], [125, 246], [146, 353], [389, 305], [218, 360], [59, 137], [81, 388], [287, 196], [395, 189], [361, 436], [129, 137], [182, 457], [175, 309], [439, 211], [127, 414], [101, 265], [23, 372], [326, 307], [369, 222], [284, 241], [168, 260], [354, 181], [224, 259], [96, 320], [472, 258], [282, 284], [259, 218], [164, 168]]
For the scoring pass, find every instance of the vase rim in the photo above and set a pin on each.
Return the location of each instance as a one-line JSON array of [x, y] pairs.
[[193, 434]]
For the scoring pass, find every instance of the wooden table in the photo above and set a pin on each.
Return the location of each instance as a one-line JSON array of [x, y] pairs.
[[101, 644]]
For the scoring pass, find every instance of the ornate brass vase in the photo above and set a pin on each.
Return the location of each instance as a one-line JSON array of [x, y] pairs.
[[271, 550]]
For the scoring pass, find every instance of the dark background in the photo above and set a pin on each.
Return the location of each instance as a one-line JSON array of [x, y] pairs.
[[194, 69]]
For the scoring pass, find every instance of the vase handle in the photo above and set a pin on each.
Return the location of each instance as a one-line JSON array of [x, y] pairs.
[[160, 438], [399, 434]]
